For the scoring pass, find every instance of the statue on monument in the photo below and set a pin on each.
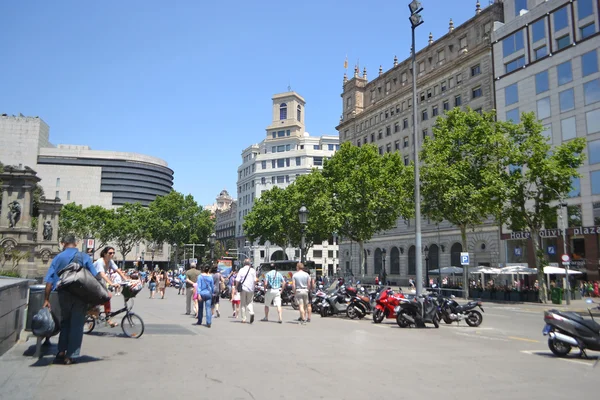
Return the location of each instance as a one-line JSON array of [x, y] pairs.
[[14, 213], [47, 230]]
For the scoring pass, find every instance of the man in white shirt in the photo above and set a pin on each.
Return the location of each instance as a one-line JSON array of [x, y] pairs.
[[300, 284], [247, 277]]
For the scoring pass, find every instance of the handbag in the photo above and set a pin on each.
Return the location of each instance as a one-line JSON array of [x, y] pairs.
[[239, 286], [79, 281]]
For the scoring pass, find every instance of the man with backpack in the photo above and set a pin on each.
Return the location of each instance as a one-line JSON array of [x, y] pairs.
[[72, 308]]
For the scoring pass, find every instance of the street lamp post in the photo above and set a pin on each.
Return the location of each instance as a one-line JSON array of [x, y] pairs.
[[416, 20], [303, 217], [563, 205], [143, 252], [212, 238], [426, 253], [152, 257], [383, 273]]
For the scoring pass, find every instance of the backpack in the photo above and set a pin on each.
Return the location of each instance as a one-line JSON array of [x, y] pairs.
[[79, 281]]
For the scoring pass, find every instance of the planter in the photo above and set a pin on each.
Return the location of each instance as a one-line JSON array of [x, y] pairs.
[[576, 294], [485, 295], [515, 296]]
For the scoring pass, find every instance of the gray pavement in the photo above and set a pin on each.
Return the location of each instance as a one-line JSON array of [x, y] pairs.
[[330, 358]]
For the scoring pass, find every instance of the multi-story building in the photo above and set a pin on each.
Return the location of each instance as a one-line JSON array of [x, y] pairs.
[[287, 152], [546, 61], [454, 71], [78, 174], [225, 219]]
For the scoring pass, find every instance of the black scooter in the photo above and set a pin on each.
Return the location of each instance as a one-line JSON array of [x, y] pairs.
[[567, 329], [450, 311], [418, 312]]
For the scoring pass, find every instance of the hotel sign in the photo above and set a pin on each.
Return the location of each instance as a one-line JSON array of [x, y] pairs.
[[545, 233]]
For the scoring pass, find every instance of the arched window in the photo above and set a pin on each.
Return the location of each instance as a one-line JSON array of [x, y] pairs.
[[395, 261], [455, 254], [299, 113], [434, 257], [377, 261], [283, 111], [412, 259]]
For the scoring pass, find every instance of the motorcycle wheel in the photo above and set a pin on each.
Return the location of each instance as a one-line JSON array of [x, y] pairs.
[[323, 312], [360, 314], [436, 321], [447, 319], [474, 318], [401, 321], [351, 312], [294, 304], [560, 349], [378, 316]]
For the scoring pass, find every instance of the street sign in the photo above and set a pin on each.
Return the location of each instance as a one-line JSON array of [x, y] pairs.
[[565, 258], [89, 243], [517, 251], [551, 250], [464, 258]]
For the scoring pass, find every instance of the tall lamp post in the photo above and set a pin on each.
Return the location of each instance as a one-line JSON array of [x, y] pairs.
[[416, 20], [152, 250], [563, 227], [303, 216], [212, 238], [426, 253], [143, 252], [383, 273]]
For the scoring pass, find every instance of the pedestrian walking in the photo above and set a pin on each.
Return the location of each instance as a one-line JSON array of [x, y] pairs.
[[205, 294], [218, 283], [72, 309], [152, 284], [191, 276], [300, 285], [235, 295], [163, 281], [274, 285], [181, 278], [246, 277], [105, 264]]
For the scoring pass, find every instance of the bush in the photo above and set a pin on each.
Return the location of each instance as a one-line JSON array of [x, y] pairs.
[[12, 274]]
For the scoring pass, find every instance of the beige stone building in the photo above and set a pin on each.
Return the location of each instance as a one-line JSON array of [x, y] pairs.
[[455, 70]]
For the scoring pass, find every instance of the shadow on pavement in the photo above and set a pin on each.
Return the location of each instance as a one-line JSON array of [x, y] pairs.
[[49, 352], [107, 334]]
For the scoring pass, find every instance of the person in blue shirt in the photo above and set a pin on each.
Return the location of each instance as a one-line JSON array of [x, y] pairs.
[[181, 278], [205, 289], [72, 309]]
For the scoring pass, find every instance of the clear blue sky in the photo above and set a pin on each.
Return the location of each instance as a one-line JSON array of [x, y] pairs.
[[190, 81]]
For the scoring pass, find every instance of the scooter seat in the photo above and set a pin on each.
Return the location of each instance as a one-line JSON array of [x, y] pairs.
[[593, 325]]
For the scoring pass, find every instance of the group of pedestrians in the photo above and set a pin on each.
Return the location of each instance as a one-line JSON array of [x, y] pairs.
[[589, 289]]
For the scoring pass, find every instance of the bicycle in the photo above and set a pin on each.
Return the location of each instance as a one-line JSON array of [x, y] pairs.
[[131, 324]]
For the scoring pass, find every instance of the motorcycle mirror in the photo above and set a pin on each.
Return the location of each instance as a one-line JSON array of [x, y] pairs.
[[452, 296], [589, 301]]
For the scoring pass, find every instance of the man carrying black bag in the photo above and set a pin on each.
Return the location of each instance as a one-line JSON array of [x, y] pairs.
[[73, 309]]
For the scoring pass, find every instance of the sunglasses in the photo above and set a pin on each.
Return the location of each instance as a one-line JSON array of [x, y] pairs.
[[111, 253]]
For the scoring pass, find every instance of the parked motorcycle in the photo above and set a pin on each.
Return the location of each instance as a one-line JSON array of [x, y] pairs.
[[566, 329], [337, 302], [317, 300], [359, 306], [259, 294], [386, 303], [287, 296], [450, 311], [418, 312]]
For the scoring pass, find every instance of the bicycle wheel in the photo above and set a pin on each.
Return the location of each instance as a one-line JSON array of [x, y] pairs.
[[89, 324], [132, 325]]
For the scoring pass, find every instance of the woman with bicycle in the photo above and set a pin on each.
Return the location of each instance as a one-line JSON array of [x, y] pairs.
[[106, 265]]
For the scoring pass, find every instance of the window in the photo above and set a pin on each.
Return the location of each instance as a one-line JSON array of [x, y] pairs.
[[263, 180], [273, 163], [281, 148], [317, 160], [457, 101], [541, 52], [57, 195], [450, 83], [386, 114], [563, 71], [380, 150], [330, 147], [588, 30], [574, 216], [396, 127], [422, 96], [561, 19], [405, 123], [592, 120], [283, 111], [68, 195], [405, 142], [280, 179], [443, 86], [298, 161], [436, 90], [317, 147], [263, 164], [594, 151], [538, 30], [512, 43], [445, 105], [476, 70], [463, 42], [563, 42], [424, 116], [568, 128], [364, 142], [388, 147], [280, 133], [422, 66], [543, 108], [595, 178], [397, 145], [406, 160], [372, 137], [434, 111], [575, 187], [299, 113], [589, 63], [424, 133], [57, 182], [458, 79], [475, 93], [591, 91], [566, 100], [585, 8], [428, 93], [515, 64], [441, 56], [541, 82], [404, 77], [388, 130], [513, 115], [479, 111], [281, 163], [380, 134], [511, 94], [520, 5]]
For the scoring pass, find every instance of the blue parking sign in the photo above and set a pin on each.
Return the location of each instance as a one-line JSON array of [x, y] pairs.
[[464, 258], [517, 251], [551, 250]]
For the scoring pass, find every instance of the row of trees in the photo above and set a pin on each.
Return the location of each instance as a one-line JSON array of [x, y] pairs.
[[174, 219], [473, 168]]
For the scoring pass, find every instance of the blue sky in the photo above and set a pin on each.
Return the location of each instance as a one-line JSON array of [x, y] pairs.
[[191, 81]]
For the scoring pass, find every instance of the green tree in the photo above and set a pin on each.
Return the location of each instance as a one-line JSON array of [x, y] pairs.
[[368, 192], [128, 225], [178, 219], [539, 175], [463, 169], [89, 222]]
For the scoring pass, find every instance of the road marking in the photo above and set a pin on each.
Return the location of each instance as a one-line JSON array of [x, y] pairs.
[[523, 339], [545, 353]]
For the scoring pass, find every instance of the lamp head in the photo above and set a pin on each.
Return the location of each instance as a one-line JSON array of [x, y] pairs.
[[303, 215], [415, 7], [416, 20]]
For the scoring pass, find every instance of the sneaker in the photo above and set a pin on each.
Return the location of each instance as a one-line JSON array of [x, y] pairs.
[[299, 319], [208, 325], [252, 318], [218, 314], [280, 321], [264, 320], [302, 322], [308, 320]]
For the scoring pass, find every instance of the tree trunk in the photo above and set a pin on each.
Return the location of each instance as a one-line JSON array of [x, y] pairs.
[[539, 263], [465, 246], [361, 258]]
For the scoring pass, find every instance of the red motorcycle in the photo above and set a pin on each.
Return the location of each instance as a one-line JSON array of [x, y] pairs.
[[386, 303]]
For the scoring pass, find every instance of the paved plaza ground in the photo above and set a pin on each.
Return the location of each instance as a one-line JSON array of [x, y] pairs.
[[330, 358]]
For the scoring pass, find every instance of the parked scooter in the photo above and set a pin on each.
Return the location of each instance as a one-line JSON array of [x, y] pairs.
[[259, 294], [317, 300], [566, 329], [386, 303], [418, 312], [359, 306], [450, 311], [287, 296], [337, 302]]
